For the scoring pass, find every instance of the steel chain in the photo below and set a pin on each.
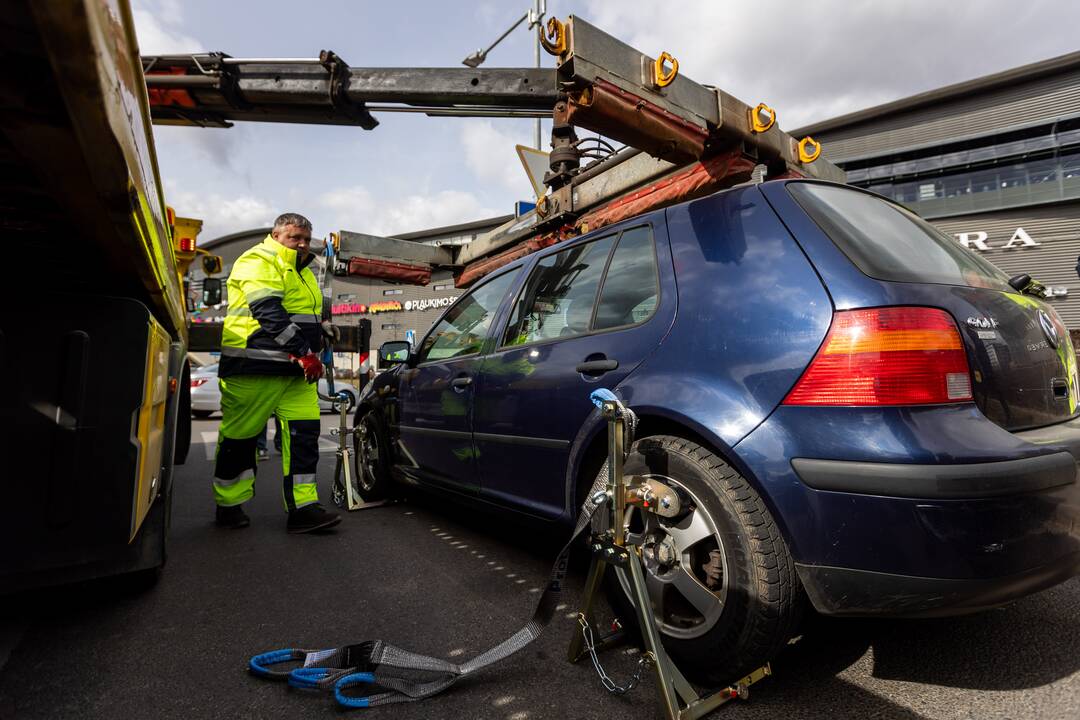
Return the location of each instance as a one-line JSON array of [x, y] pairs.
[[608, 683]]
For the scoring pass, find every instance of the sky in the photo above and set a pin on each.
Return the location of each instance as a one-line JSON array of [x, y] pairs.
[[808, 60]]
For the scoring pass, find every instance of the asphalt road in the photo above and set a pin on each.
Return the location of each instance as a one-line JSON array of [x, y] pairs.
[[444, 580]]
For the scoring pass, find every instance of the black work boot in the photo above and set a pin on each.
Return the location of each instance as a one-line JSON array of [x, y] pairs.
[[311, 517], [232, 517]]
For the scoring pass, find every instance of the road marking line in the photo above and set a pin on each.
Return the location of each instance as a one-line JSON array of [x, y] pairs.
[[209, 438]]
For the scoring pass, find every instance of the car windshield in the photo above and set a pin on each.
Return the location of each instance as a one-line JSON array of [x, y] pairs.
[[889, 242]]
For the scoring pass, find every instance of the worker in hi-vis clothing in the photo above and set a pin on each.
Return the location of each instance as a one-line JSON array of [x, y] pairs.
[[269, 365]]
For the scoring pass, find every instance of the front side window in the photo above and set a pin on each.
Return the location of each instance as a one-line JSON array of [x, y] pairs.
[[463, 329]]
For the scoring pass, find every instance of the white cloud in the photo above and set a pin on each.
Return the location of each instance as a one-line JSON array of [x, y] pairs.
[[156, 28], [358, 209], [489, 153], [221, 215], [812, 61]]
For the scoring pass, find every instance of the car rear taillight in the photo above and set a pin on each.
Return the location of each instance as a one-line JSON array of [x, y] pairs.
[[196, 382], [887, 356]]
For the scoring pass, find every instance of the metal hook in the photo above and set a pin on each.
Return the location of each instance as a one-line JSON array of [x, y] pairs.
[[554, 39], [756, 123], [660, 77]]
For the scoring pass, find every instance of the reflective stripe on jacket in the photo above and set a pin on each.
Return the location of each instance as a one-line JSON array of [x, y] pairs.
[[275, 307]]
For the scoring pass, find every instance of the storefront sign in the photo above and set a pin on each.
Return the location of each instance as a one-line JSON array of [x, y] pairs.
[[977, 240], [360, 308], [429, 303]]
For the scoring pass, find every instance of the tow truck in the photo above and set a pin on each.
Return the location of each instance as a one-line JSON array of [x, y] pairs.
[[95, 333]]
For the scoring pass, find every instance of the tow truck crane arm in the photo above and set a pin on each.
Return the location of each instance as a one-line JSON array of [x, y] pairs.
[[214, 90], [684, 139]]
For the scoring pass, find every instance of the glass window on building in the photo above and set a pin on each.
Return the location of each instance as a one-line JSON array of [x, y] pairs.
[[957, 192], [1013, 179], [439, 288], [984, 189], [391, 326], [956, 185], [1042, 179], [930, 189], [1070, 175], [395, 291], [907, 193]]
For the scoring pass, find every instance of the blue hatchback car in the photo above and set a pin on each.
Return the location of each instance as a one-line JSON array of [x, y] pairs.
[[858, 412]]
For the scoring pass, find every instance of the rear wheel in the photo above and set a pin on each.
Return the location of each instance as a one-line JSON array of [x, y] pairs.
[[721, 581]]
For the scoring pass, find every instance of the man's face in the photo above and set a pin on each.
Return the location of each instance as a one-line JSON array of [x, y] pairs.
[[293, 237]]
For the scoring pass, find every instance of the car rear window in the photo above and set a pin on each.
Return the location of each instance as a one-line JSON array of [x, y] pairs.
[[888, 242]]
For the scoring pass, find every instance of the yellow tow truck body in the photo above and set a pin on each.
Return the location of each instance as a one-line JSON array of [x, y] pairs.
[[93, 340]]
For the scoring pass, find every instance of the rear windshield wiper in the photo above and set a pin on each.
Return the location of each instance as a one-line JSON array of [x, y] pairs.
[[1027, 285]]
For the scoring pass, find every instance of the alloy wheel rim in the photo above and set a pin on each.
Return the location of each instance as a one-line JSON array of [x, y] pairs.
[[686, 572]]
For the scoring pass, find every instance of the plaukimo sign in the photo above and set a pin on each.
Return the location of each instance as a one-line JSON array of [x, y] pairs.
[[977, 240], [429, 303], [360, 308]]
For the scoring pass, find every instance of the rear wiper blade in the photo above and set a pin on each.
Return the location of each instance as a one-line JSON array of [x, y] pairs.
[[1027, 285]]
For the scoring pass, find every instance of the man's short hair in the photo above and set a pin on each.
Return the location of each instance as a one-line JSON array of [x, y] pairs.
[[292, 219]]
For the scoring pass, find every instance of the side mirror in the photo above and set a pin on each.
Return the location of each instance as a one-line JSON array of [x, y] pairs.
[[211, 291], [394, 352]]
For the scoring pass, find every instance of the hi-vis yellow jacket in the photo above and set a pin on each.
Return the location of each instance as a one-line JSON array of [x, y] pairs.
[[275, 311]]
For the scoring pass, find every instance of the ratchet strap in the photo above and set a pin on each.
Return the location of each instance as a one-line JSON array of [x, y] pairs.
[[393, 675]]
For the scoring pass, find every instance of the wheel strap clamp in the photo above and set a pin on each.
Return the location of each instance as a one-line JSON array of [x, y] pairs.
[[394, 675]]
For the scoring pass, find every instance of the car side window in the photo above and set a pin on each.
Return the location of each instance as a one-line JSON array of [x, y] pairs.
[[463, 329], [631, 284], [558, 299]]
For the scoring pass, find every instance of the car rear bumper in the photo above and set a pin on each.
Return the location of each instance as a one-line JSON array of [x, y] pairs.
[[848, 592], [931, 511]]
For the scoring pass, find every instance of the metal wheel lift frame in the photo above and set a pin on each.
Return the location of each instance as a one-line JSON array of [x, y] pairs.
[[343, 481], [681, 701]]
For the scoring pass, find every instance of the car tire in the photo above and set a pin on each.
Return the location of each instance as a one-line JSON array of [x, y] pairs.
[[759, 597], [371, 458], [202, 414]]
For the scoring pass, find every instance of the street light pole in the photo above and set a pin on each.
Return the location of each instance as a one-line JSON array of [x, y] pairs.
[[536, 19], [535, 16]]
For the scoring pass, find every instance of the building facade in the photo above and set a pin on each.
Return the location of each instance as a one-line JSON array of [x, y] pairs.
[[993, 162]]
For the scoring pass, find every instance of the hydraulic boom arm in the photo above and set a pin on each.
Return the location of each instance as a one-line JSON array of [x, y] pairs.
[[213, 90], [683, 139]]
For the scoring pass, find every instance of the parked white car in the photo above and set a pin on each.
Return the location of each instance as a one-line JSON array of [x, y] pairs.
[[206, 395]]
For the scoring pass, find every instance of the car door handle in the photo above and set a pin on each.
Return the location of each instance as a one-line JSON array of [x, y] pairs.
[[595, 367], [461, 383]]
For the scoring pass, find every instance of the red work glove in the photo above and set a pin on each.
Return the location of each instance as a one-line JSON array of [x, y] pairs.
[[313, 368]]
